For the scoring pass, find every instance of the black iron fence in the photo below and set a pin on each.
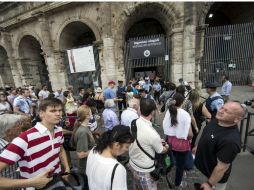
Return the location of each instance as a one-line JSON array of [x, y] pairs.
[[228, 50]]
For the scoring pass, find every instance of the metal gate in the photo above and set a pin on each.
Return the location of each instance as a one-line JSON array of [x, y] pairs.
[[131, 64], [84, 79], [228, 50]]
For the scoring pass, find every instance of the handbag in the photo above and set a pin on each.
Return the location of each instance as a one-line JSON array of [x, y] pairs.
[[180, 145], [59, 183]]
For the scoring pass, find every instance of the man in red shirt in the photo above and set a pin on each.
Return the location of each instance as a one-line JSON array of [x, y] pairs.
[[38, 150]]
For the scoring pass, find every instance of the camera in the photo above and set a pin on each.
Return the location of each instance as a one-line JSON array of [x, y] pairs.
[[248, 102]]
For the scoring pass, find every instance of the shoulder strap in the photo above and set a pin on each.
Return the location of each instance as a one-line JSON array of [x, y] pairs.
[[215, 98], [134, 133], [112, 176]]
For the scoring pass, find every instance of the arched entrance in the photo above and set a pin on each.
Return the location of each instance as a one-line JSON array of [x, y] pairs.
[[33, 64], [146, 29], [5, 69], [229, 43], [75, 35]]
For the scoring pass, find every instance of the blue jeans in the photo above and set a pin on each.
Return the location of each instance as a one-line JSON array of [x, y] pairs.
[[180, 159]]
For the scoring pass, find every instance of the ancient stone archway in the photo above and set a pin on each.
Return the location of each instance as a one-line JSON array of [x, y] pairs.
[[80, 28], [166, 14], [5, 69], [74, 35], [34, 69], [202, 11]]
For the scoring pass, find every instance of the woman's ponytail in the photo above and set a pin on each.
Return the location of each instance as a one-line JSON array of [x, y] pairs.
[[178, 100], [173, 114]]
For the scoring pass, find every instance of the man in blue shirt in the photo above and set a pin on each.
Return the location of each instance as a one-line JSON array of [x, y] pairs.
[[157, 90], [214, 102], [147, 86], [23, 104], [109, 93]]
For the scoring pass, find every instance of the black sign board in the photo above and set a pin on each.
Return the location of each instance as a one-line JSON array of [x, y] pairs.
[[147, 47]]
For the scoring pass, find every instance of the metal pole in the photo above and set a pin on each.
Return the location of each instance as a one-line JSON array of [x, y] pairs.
[[246, 132]]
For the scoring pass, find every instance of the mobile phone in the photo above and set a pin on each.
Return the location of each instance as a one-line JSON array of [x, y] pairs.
[[197, 186]]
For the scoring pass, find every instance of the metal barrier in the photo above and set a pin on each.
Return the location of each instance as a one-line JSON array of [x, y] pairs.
[[245, 124]]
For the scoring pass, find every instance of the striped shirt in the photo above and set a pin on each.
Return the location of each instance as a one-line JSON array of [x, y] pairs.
[[35, 151]]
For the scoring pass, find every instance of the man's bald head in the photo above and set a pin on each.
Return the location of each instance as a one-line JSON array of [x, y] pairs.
[[230, 114], [239, 109]]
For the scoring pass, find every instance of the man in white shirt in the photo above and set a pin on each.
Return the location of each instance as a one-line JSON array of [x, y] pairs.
[[44, 93], [59, 94], [140, 164], [131, 112], [226, 88]]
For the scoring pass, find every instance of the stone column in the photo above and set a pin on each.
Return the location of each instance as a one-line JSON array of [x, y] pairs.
[[189, 54], [200, 33], [57, 70], [53, 59], [15, 70], [108, 71], [177, 54]]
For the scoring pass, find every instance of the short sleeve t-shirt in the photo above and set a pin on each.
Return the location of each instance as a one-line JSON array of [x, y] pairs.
[[109, 94], [44, 94], [217, 142], [23, 104], [99, 170], [150, 141], [84, 142]]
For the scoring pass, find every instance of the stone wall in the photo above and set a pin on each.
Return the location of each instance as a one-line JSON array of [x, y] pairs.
[[109, 22]]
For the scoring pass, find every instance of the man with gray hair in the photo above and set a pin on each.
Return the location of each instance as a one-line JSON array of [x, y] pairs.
[[109, 115], [131, 112]]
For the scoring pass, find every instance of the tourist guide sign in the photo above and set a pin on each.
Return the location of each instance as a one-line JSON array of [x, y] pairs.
[[147, 47], [81, 59]]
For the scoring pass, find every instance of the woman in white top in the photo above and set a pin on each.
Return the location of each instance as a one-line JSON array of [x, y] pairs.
[[177, 127], [102, 160]]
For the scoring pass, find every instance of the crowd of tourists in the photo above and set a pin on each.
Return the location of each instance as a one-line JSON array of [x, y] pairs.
[[39, 129]]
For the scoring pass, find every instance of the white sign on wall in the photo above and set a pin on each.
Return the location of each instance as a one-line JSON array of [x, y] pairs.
[[81, 59]]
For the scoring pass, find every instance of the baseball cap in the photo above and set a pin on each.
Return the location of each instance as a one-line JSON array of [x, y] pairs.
[[111, 82]]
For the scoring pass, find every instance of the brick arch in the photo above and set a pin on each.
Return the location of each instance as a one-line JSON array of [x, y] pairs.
[[85, 21], [22, 35]]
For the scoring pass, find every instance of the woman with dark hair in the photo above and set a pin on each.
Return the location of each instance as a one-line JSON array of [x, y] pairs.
[[101, 161], [177, 127]]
